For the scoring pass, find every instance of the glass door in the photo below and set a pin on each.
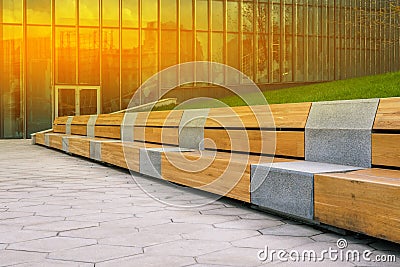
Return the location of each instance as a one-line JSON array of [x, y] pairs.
[[77, 100]]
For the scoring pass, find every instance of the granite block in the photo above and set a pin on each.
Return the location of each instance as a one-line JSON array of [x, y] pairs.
[[191, 128], [127, 127], [91, 126], [68, 125], [289, 187], [95, 150], [339, 132], [65, 144]]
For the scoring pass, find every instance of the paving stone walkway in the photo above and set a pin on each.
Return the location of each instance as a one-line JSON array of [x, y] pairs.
[[58, 210]]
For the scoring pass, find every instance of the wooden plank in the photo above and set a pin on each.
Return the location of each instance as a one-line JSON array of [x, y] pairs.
[[59, 128], [79, 146], [80, 120], [386, 149], [157, 135], [284, 115], [287, 143], [108, 131], [206, 172], [388, 115], [366, 201], [55, 141], [110, 119], [159, 118], [60, 120], [113, 153], [40, 138], [79, 129]]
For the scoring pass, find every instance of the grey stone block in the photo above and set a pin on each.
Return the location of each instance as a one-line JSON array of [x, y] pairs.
[[127, 127], [191, 128], [65, 144], [339, 132], [150, 160], [289, 187], [91, 126], [33, 139], [95, 150], [46, 139], [68, 125]]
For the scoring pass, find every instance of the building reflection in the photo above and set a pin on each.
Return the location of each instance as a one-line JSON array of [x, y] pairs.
[[116, 45]]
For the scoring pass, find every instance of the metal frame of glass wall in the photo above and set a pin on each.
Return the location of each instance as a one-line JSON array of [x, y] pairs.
[[118, 44]]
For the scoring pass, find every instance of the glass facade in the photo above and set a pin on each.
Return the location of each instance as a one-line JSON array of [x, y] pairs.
[[61, 56]]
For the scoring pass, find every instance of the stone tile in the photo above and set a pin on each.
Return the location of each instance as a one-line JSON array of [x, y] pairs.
[[61, 226], [23, 235], [220, 234], [150, 260], [140, 239], [248, 224], [175, 228], [99, 232], [227, 211], [101, 217], [232, 257], [274, 242], [10, 257], [291, 230], [190, 248], [95, 253], [205, 219], [55, 263], [31, 220], [14, 214], [52, 244]]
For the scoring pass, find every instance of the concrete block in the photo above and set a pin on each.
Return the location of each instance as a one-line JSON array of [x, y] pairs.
[[46, 139], [288, 187], [127, 127], [191, 128], [150, 160], [33, 139], [339, 132], [95, 148], [65, 144], [68, 125], [91, 126]]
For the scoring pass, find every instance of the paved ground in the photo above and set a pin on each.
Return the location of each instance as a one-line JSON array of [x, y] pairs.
[[57, 210]]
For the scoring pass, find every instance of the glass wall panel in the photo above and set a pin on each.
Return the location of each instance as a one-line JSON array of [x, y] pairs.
[[65, 12], [202, 46], [232, 16], [202, 14], [186, 13], [232, 59], [11, 113], [38, 12], [217, 55], [38, 79], [65, 58], [130, 79], [110, 13], [169, 54], [89, 56], [186, 46], [88, 12], [248, 55], [130, 13], [110, 71], [168, 14], [12, 11], [247, 16], [262, 60], [217, 15], [149, 14]]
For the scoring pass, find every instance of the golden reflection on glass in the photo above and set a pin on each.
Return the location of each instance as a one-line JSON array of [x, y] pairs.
[[247, 16], [110, 13], [202, 15], [87, 101], [217, 15], [186, 14], [130, 65], [110, 71], [12, 11], [65, 12], [232, 59], [130, 13], [149, 60], [38, 78], [65, 63], [149, 14], [232, 17], [217, 55], [11, 97], [38, 12], [248, 55], [169, 54], [262, 58], [88, 12], [202, 46], [168, 14], [89, 56]]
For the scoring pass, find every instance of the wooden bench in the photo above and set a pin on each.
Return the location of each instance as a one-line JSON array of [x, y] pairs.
[[223, 147]]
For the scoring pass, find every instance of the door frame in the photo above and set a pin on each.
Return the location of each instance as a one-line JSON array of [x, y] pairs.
[[77, 89]]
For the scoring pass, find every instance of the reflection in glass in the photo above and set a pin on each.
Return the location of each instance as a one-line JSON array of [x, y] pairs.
[[38, 12], [169, 54], [232, 59], [38, 79], [168, 14], [202, 15], [12, 11], [248, 55], [217, 16], [11, 98], [149, 14], [88, 102], [66, 102], [89, 12], [149, 63], [65, 55], [232, 16], [89, 56], [110, 71], [217, 55], [247, 14], [262, 62], [130, 13], [65, 12], [130, 65], [202, 46], [186, 14], [110, 13]]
